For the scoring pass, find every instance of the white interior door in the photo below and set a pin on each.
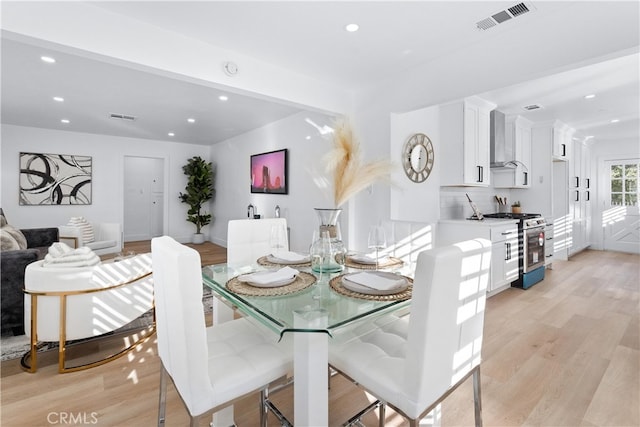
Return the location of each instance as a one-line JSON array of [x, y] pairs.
[[144, 198], [620, 210]]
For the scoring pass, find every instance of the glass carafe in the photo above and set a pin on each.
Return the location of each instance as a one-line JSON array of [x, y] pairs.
[[327, 251]]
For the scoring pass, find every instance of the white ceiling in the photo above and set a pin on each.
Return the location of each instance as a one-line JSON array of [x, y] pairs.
[[308, 37]]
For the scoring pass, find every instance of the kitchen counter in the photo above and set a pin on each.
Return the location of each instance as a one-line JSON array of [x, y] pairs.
[[487, 222]]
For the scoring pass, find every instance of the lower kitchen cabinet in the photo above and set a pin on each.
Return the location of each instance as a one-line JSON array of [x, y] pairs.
[[504, 246], [549, 245]]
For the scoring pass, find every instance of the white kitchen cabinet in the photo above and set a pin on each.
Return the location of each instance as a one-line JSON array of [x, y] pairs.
[[549, 245], [562, 139], [579, 197], [517, 147], [504, 256], [464, 132], [503, 235]]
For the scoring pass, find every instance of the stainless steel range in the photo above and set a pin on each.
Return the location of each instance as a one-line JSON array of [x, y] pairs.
[[530, 247]]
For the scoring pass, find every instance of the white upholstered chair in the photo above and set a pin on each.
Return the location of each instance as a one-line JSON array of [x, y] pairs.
[[210, 367], [413, 364], [107, 237], [72, 303], [248, 239]]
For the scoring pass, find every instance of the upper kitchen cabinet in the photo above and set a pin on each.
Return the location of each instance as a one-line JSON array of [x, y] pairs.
[[562, 141], [464, 132], [511, 157]]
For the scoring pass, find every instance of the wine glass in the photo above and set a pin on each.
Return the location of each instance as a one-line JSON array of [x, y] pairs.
[[377, 240], [277, 238]]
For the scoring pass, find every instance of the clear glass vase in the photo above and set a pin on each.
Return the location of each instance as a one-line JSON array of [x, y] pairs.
[[327, 251]]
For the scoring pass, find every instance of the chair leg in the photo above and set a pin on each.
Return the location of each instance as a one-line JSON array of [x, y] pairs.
[[263, 407], [194, 421], [382, 416], [477, 398], [163, 395]]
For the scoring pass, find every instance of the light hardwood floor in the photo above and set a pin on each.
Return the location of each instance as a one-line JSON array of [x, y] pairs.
[[564, 353]]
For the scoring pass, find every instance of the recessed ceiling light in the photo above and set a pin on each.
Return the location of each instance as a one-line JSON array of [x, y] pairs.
[[171, 134], [191, 120], [308, 137], [590, 96], [352, 28], [223, 97], [615, 120], [48, 59], [58, 99], [65, 121]]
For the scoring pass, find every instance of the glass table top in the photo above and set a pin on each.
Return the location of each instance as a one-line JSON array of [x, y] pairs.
[[277, 312]]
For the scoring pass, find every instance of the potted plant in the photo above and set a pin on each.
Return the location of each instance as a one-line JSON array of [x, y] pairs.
[[198, 191], [515, 207]]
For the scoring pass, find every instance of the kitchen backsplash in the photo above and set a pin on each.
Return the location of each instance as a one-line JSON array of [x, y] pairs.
[[454, 203]]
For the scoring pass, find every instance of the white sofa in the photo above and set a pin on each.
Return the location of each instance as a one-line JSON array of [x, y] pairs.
[[108, 237], [93, 301]]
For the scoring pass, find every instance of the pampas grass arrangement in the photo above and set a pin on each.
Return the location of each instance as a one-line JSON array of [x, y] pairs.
[[344, 164]]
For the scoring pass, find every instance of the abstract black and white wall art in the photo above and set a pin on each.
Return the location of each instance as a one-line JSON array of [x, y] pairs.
[[55, 179]]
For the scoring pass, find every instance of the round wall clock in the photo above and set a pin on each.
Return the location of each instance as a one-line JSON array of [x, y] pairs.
[[418, 157]]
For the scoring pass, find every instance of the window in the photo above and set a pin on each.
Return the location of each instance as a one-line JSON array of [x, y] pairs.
[[624, 184]]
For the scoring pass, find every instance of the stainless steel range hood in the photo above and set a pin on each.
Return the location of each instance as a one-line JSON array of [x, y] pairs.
[[502, 154]]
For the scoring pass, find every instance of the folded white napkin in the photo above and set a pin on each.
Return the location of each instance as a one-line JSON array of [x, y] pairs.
[[369, 258], [376, 281], [267, 277], [289, 256]]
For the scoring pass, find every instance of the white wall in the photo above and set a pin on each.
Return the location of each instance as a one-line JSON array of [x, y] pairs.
[[108, 154], [412, 201], [231, 159], [600, 153]]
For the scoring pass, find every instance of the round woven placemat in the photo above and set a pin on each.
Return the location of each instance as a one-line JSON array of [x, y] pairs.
[[336, 285], [391, 262], [304, 280], [264, 261]]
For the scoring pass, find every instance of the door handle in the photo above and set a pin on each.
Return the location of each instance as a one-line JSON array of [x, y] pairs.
[[480, 174], [564, 150], [526, 178], [507, 251]]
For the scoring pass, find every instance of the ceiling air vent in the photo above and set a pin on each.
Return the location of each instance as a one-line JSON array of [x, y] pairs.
[[532, 107], [504, 15], [122, 117]]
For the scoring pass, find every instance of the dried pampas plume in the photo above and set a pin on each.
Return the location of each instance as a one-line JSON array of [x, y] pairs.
[[344, 163]]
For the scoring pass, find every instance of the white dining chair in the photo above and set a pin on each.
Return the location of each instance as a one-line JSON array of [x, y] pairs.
[[414, 364], [248, 239], [210, 366]]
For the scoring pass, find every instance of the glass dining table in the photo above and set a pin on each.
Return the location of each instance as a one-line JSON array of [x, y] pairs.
[[314, 315]]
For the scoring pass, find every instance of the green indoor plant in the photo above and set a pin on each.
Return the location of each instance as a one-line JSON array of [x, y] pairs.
[[198, 191], [515, 207]]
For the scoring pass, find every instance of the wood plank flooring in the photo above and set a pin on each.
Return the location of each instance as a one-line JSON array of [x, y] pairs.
[[564, 353]]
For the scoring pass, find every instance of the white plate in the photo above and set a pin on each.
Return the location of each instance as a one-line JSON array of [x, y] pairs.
[[368, 260], [356, 287], [276, 260], [247, 279]]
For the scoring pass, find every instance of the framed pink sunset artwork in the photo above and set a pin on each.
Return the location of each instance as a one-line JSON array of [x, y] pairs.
[[269, 172]]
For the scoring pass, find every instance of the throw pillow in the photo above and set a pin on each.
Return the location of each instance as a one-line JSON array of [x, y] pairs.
[[7, 242], [3, 220], [87, 230], [17, 235]]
